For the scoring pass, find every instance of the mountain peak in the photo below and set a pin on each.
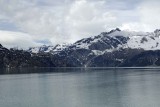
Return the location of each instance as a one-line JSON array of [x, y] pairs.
[[1, 45], [114, 30], [118, 29], [157, 32]]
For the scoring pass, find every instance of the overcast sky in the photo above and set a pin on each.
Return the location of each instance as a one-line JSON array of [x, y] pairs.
[[26, 23]]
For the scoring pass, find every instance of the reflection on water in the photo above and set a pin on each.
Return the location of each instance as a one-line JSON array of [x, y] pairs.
[[79, 87], [42, 70]]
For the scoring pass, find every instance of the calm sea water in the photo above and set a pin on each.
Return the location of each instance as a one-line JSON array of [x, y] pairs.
[[76, 87]]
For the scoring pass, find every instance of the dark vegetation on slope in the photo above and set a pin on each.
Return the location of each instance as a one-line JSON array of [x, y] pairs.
[[79, 58]]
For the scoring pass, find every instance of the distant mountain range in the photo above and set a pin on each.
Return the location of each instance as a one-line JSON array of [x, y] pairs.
[[109, 49]]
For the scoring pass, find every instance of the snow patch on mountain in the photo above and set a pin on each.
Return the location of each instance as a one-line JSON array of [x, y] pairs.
[[48, 49], [151, 41], [41, 49], [61, 47]]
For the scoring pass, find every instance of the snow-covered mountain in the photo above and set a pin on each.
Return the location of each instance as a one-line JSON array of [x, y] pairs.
[[116, 39], [108, 49], [108, 42]]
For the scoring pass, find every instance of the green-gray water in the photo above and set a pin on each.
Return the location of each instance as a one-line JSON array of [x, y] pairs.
[[80, 87]]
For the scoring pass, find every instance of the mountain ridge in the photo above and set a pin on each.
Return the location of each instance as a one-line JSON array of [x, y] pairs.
[[116, 48], [113, 39]]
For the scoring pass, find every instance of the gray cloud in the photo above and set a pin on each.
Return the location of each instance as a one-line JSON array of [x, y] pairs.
[[57, 21], [12, 39]]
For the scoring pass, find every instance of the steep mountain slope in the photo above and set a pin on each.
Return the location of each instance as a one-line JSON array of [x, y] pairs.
[[13, 58], [116, 39]]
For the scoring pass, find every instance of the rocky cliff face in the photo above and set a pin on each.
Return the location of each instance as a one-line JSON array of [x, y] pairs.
[[12, 58], [20, 58], [109, 49]]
